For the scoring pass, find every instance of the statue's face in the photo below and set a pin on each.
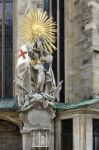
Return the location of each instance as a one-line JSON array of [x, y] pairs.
[[39, 42]]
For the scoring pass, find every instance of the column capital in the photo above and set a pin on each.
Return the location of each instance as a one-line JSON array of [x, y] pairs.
[[25, 131]]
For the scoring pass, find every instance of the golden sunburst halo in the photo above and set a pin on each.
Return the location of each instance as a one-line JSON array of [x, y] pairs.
[[36, 24]]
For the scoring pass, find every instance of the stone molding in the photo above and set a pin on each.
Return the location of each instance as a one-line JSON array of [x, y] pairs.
[[11, 117]]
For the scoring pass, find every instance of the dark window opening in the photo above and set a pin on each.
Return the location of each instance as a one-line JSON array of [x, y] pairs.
[[54, 14], [46, 5], [61, 45], [67, 135], [0, 47], [62, 53], [6, 48], [95, 134]]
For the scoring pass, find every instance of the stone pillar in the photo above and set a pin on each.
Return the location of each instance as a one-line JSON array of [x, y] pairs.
[[26, 140], [76, 132], [82, 132], [58, 134], [89, 133], [79, 132], [38, 128]]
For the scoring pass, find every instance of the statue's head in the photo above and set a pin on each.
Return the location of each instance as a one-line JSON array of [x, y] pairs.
[[39, 41], [38, 44]]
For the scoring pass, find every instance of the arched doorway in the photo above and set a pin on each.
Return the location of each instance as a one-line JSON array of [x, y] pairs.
[[10, 137]]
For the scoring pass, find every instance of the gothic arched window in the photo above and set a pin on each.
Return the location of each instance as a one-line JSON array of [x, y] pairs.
[[6, 46]]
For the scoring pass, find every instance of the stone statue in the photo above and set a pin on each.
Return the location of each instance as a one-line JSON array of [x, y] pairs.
[[36, 82]]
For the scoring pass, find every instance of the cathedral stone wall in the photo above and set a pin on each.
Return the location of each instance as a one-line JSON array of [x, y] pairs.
[[95, 8], [79, 52]]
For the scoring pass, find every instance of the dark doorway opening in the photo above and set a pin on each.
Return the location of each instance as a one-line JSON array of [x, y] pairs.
[[95, 134], [67, 134]]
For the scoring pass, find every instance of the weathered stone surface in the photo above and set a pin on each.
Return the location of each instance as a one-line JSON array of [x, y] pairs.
[[10, 137], [82, 21]]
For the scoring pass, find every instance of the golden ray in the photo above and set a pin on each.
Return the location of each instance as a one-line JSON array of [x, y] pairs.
[[35, 24]]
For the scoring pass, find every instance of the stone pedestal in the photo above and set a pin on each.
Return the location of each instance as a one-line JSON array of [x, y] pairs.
[[38, 128]]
